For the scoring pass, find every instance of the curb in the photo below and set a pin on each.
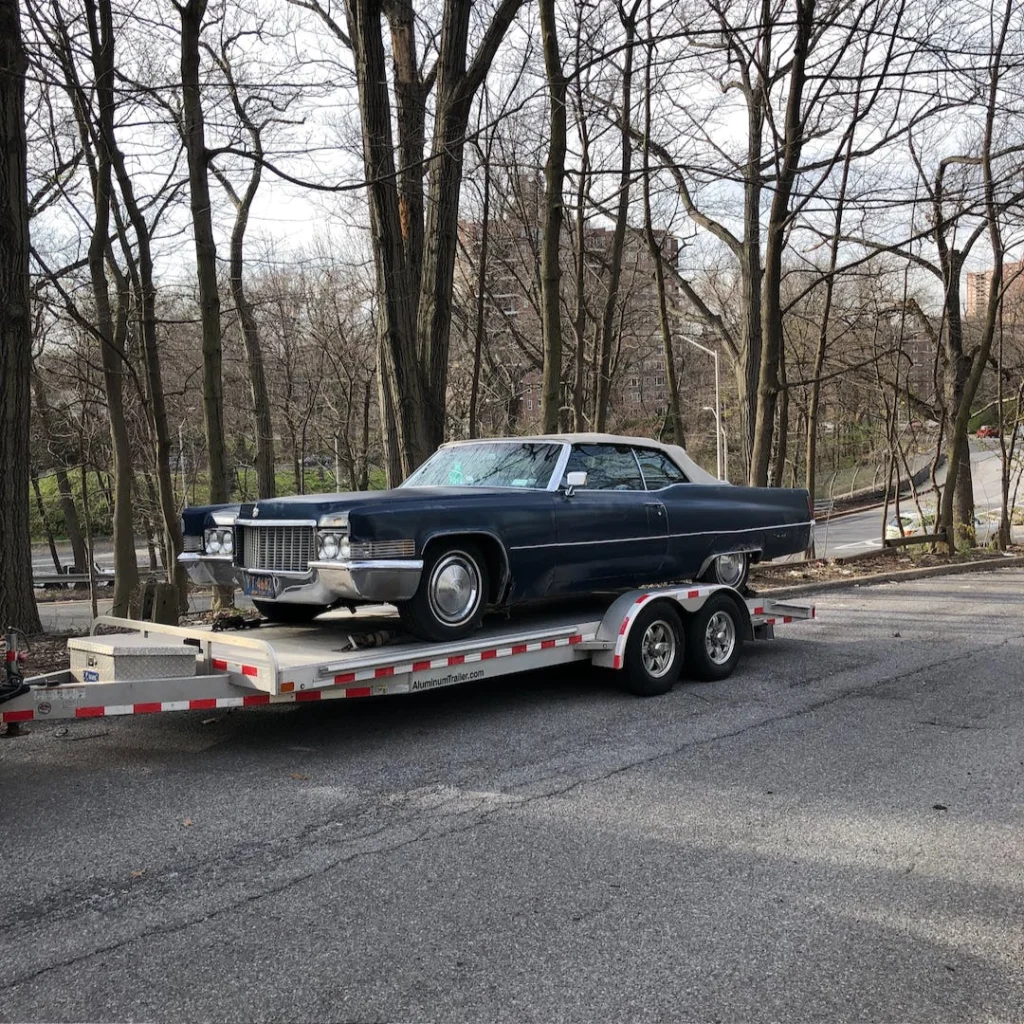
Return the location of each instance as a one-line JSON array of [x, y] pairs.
[[985, 565]]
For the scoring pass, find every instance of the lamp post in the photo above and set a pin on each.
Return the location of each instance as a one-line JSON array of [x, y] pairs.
[[722, 444], [719, 433]]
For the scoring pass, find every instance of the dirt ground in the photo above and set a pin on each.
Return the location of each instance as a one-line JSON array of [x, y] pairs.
[[775, 576], [48, 651]]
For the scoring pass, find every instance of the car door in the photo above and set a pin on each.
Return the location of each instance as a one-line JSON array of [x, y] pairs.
[[611, 532]]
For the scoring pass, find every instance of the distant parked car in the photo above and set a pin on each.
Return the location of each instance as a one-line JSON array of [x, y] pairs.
[[988, 431], [911, 522]]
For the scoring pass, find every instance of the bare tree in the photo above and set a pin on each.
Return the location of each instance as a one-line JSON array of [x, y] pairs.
[[17, 599], [554, 177]]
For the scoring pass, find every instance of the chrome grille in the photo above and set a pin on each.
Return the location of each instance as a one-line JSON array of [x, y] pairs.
[[278, 548], [192, 542]]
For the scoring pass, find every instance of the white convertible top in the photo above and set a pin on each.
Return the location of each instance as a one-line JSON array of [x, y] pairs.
[[678, 455]]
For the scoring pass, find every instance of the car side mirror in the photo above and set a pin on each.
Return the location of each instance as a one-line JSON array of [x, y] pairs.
[[577, 478]]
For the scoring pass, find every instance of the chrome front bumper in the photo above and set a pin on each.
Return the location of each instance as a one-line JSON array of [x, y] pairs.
[[373, 581], [209, 570]]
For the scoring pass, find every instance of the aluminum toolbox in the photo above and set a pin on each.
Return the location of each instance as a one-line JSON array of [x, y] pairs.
[[129, 656]]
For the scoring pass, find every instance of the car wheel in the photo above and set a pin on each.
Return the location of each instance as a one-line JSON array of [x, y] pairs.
[[277, 611], [713, 639], [653, 659], [449, 602], [730, 570]]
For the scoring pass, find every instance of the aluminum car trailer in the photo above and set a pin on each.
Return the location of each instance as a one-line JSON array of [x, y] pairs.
[[651, 637]]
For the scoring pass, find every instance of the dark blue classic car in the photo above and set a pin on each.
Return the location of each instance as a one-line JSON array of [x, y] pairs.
[[493, 523]]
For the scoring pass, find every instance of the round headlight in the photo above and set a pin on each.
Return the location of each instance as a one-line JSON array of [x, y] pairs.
[[212, 542], [344, 549], [329, 546], [227, 542]]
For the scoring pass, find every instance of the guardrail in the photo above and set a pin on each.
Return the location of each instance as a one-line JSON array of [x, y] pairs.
[[63, 580]]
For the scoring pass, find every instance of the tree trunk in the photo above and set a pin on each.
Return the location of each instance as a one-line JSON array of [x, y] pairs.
[[768, 383], [550, 261], [481, 296], [112, 336], [17, 598], [608, 321], [194, 137], [47, 526], [72, 526]]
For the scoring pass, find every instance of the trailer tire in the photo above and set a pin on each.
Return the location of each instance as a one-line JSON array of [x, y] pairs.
[[295, 614], [452, 595], [653, 659], [713, 638]]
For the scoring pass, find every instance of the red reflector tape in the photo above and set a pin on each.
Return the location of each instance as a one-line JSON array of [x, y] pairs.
[[420, 666], [457, 659], [359, 691], [220, 664], [759, 611], [787, 618], [88, 712], [304, 695], [617, 661], [255, 698], [487, 655], [642, 598], [146, 709], [520, 649], [345, 677], [202, 704], [624, 626], [577, 639], [693, 593], [546, 645], [18, 716], [249, 670], [381, 673]]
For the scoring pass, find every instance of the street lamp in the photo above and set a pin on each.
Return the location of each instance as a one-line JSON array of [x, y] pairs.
[[722, 444], [719, 433]]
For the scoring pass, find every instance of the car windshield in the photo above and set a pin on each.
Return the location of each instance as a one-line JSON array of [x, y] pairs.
[[489, 464]]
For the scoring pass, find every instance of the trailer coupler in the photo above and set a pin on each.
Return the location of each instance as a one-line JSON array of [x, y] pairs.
[[13, 684]]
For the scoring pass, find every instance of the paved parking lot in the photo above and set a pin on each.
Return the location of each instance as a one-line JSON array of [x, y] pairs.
[[835, 834]]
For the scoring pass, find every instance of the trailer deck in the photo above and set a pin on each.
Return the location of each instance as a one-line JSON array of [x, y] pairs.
[[128, 667]]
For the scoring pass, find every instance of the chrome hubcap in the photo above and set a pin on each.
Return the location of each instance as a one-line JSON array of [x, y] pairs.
[[454, 590], [658, 648], [720, 637], [729, 569]]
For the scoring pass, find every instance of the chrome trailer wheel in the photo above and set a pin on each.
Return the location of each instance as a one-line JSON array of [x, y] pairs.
[[713, 638], [653, 659]]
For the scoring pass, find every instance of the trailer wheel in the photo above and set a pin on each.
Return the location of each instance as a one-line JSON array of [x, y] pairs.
[[730, 570], [653, 659], [713, 638], [449, 602], [278, 611]]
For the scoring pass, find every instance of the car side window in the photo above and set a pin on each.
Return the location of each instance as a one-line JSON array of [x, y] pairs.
[[658, 469], [609, 467]]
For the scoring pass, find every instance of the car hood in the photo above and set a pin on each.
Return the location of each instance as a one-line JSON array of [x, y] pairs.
[[312, 506]]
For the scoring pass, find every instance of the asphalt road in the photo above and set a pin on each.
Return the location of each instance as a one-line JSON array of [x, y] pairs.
[[832, 834]]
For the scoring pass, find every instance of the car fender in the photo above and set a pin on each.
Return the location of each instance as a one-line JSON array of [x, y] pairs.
[[470, 531], [754, 550]]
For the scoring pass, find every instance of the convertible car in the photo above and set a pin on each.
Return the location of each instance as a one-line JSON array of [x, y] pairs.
[[494, 523]]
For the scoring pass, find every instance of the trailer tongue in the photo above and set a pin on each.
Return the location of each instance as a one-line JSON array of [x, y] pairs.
[[653, 637]]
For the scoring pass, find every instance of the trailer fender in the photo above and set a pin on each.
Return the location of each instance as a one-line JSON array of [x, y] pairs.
[[613, 634]]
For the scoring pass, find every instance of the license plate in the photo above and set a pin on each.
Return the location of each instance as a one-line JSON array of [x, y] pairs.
[[260, 586]]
